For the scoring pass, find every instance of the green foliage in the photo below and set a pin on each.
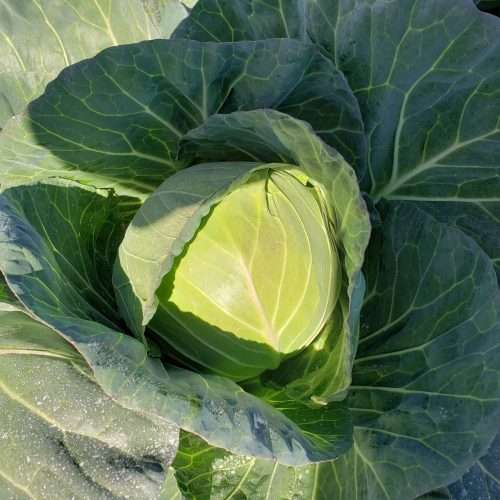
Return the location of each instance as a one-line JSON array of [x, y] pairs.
[[482, 480], [53, 278], [41, 37], [154, 93], [275, 235], [62, 436]]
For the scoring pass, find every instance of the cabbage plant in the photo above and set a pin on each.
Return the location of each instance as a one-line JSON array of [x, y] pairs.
[[249, 249]]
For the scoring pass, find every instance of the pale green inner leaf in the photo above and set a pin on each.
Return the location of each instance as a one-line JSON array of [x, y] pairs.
[[262, 267]]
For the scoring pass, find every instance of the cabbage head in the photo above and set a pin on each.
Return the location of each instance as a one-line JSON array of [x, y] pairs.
[[236, 267], [259, 279]]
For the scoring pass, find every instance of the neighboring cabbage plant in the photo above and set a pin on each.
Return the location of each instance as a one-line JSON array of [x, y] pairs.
[[257, 260]]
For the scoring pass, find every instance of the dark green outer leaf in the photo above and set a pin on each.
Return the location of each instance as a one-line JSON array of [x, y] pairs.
[[213, 407], [82, 227], [480, 220], [61, 436], [426, 388], [482, 480], [443, 140], [116, 120], [422, 119], [232, 21], [426, 75], [38, 38]]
